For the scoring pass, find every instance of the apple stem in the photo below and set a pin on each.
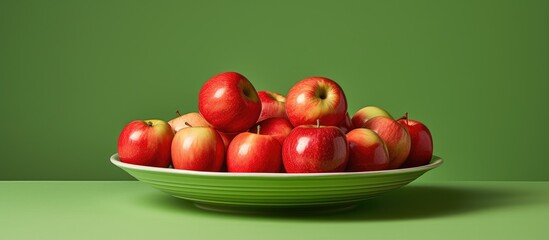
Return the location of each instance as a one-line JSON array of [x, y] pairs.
[[317, 123], [258, 127], [149, 123], [178, 113], [188, 124], [406, 117]]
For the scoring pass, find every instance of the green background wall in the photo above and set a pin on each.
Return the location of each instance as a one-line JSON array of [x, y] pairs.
[[73, 73]]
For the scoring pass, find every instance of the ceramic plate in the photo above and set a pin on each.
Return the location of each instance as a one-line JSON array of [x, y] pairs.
[[224, 191]]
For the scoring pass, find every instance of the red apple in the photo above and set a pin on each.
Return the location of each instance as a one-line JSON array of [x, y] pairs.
[[316, 98], [367, 151], [315, 149], [193, 118], [229, 102], [278, 128], [227, 138], [421, 150], [199, 149], [146, 143], [272, 105], [251, 152], [346, 125], [367, 113], [394, 135]]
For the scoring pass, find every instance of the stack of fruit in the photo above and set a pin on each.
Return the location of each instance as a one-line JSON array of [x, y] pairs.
[[239, 129]]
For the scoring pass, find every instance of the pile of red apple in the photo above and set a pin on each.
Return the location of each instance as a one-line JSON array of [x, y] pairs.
[[239, 129]]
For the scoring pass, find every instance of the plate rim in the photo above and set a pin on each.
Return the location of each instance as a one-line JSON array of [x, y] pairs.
[[435, 162]]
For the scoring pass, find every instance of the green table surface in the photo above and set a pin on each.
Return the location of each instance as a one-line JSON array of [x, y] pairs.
[[133, 210]]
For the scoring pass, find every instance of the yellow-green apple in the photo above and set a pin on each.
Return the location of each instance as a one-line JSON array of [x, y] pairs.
[[272, 105], [367, 151], [394, 135], [277, 127], [192, 118], [316, 98], [146, 143], [315, 149], [367, 113], [229, 102], [199, 149], [346, 124], [421, 150], [254, 152]]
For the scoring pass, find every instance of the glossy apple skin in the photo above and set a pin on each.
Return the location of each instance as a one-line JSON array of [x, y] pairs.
[[229, 102], [316, 98], [193, 118], [272, 105], [199, 149], [227, 138], [346, 124], [394, 135], [250, 152], [278, 128], [366, 113], [367, 151], [312, 149], [146, 143], [421, 150]]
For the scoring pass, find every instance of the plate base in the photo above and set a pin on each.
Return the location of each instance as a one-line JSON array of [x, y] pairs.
[[322, 209]]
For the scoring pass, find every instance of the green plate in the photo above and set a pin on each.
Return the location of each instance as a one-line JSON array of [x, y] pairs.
[[259, 192]]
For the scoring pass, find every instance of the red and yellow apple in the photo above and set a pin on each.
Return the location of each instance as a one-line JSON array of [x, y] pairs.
[[253, 152], [278, 128], [346, 124], [193, 118], [146, 143], [199, 149], [315, 149], [316, 98], [367, 113], [394, 135], [229, 102], [272, 105], [421, 150], [367, 151], [227, 138]]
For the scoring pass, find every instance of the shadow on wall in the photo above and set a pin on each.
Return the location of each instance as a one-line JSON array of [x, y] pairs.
[[410, 202]]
